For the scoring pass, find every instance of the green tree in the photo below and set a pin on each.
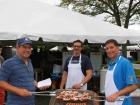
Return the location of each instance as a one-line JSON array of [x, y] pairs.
[[120, 12]]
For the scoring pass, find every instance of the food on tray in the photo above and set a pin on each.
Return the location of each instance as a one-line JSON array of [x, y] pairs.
[[73, 95]]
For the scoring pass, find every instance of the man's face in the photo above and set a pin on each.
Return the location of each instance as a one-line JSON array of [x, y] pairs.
[[111, 50], [25, 50], [77, 47]]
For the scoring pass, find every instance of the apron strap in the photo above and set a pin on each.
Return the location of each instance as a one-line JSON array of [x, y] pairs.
[[79, 59]]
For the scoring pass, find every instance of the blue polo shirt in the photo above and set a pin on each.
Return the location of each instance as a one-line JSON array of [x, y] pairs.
[[17, 73], [124, 75]]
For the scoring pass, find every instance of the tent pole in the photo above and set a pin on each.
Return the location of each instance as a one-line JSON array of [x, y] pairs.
[[124, 50]]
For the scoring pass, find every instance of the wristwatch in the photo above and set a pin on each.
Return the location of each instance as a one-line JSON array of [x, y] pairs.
[[81, 85]]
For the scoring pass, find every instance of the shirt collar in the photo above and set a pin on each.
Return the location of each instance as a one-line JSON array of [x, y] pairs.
[[19, 58], [115, 61]]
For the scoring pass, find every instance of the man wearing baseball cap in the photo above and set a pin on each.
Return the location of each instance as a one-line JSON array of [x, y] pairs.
[[23, 41], [17, 76]]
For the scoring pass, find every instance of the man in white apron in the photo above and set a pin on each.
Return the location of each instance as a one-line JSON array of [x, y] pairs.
[[120, 77], [77, 69]]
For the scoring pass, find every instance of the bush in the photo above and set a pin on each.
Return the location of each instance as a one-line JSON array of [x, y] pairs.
[[137, 71], [136, 62]]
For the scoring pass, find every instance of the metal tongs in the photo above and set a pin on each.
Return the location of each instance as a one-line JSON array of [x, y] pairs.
[[103, 98], [44, 93]]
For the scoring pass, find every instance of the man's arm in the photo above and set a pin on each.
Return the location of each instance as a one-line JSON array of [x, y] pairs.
[[19, 91], [89, 70], [88, 76], [122, 92], [85, 80], [64, 79]]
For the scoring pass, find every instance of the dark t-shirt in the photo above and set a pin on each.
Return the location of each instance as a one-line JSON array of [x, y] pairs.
[[85, 63]]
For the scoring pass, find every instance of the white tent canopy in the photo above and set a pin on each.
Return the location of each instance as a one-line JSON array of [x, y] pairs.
[[54, 24], [136, 47], [56, 48]]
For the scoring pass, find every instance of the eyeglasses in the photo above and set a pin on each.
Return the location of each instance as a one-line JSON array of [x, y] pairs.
[[76, 46]]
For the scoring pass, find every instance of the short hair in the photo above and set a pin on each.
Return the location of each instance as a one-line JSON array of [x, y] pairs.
[[112, 41], [79, 41]]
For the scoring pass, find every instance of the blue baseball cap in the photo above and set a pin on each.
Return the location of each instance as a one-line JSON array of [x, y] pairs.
[[23, 41]]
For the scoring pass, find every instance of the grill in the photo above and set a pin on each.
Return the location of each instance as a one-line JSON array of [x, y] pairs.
[[94, 100], [55, 101]]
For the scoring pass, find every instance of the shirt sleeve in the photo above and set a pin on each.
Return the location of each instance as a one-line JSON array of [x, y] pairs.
[[66, 64], [130, 76], [88, 64], [5, 72]]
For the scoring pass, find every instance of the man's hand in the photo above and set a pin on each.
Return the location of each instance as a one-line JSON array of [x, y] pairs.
[[112, 98], [61, 87], [76, 86], [23, 92]]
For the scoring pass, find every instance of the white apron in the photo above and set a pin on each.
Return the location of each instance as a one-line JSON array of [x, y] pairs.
[[110, 86], [75, 74]]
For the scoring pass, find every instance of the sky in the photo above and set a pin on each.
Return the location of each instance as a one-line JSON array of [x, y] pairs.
[[52, 2]]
